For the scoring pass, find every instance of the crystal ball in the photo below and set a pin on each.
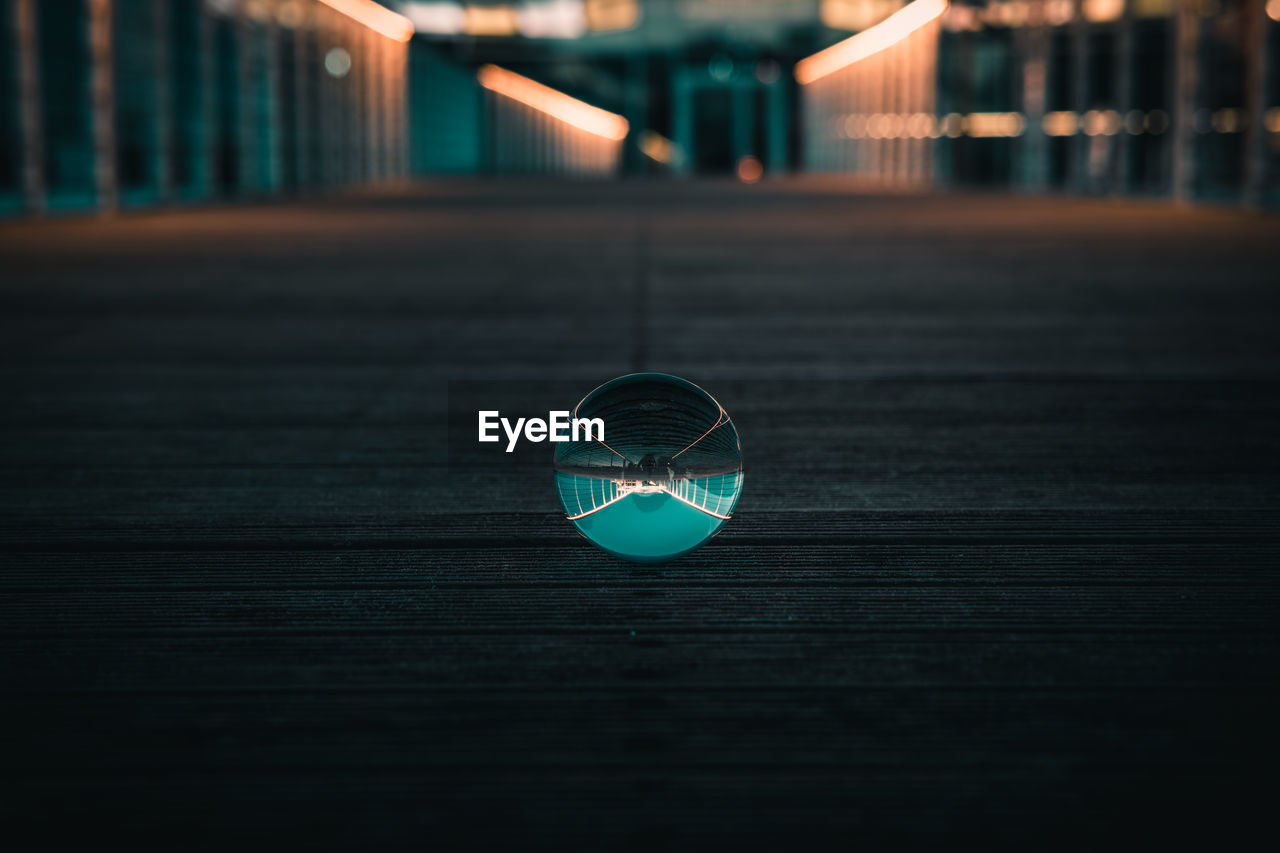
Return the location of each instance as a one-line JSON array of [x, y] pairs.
[[665, 476]]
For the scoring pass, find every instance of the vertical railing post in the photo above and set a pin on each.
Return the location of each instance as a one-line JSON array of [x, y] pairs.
[[34, 197], [1258, 71], [303, 67], [269, 58], [1125, 69], [372, 106], [400, 95], [163, 30], [1033, 145], [204, 155], [1081, 143], [1186, 91], [102, 104], [246, 159]]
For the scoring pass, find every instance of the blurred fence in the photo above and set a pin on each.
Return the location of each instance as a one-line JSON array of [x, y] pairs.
[[1147, 97], [131, 102], [534, 129], [869, 101]]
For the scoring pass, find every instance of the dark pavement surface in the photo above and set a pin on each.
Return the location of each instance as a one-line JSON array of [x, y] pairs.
[[1005, 568]]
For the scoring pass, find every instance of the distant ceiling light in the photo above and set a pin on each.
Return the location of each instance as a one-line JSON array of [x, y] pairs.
[[490, 21], [1103, 11], [337, 62], [1058, 12], [855, 14], [564, 19], [612, 14], [440, 19], [1016, 13]]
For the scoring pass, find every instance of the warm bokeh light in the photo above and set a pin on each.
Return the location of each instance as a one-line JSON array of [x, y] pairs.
[[855, 15], [1272, 120], [439, 17], [1101, 123], [1062, 123], [1228, 121], [552, 102], [1058, 12], [1273, 10], [995, 124], [888, 32], [376, 17], [551, 19], [604, 15], [490, 21], [750, 170], [1103, 11], [657, 147]]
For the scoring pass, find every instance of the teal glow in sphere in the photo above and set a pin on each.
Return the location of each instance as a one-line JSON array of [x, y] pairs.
[[664, 478]]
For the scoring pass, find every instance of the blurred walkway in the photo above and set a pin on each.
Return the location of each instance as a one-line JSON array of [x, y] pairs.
[[1006, 558]]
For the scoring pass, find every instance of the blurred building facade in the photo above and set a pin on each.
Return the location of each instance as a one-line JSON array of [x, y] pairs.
[[1148, 97], [119, 103], [132, 102]]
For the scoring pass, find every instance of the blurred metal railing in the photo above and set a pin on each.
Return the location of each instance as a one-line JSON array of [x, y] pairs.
[[1148, 97], [869, 100], [534, 129], [142, 101]]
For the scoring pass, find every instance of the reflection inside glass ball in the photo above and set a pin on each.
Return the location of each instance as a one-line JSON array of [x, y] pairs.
[[664, 478]]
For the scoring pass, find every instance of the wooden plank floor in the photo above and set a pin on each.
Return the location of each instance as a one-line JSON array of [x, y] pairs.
[[1006, 568]]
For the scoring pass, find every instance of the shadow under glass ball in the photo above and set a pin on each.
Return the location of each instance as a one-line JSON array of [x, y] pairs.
[[665, 477]]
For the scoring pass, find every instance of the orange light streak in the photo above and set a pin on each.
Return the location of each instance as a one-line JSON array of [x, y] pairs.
[[554, 103], [657, 147], [375, 16], [887, 33]]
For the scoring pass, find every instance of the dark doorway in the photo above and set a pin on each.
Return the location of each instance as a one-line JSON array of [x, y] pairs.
[[713, 120]]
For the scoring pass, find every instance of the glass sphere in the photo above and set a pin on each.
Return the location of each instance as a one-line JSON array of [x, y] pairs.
[[666, 475]]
